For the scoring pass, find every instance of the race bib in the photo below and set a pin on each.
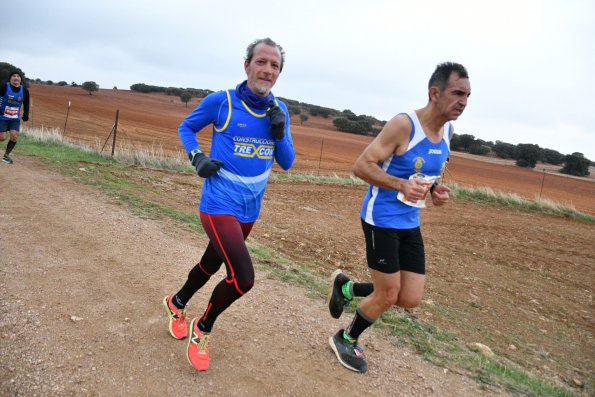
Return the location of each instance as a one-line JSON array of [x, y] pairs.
[[11, 112]]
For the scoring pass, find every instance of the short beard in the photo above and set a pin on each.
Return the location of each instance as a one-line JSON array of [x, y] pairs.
[[261, 90]]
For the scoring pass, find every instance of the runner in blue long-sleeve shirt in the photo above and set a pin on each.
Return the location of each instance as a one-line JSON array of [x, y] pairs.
[[250, 132]]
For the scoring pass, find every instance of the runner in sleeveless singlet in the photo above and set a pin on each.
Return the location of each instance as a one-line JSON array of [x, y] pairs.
[[403, 166]]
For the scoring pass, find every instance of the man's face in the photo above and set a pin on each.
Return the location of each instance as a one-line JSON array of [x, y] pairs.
[[263, 69], [15, 80], [453, 99]]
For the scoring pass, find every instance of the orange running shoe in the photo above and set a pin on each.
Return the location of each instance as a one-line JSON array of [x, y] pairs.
[[198, 348], [177, 319]]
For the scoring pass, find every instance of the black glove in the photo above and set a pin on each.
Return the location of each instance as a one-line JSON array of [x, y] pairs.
[[277, 117], [205, 167], [25, 117]]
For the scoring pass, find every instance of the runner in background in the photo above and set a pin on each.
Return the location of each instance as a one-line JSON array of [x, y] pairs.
[[13, 97]]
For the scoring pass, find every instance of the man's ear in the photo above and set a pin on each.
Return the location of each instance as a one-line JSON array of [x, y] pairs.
[[246, 64], [433, 93]]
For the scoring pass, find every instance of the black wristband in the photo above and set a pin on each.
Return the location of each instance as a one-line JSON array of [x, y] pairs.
[[433, 187]]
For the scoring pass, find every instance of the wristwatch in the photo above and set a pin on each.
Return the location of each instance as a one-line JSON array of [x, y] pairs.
[[194, 153]]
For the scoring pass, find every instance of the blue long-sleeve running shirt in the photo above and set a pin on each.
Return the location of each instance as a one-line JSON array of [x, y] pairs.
[[243, 141]]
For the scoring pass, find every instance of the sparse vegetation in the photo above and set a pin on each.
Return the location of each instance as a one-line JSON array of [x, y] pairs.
[[486, 195]]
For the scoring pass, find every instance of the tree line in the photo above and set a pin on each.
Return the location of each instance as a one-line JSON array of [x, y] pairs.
[[525, 155]]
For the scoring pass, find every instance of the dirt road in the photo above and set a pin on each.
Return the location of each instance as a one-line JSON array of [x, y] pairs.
[[81, 281]]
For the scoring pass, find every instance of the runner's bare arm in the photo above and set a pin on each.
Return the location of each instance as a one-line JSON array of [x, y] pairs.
[[392, 140]]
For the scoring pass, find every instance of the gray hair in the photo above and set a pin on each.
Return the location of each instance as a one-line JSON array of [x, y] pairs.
[[269, 42]]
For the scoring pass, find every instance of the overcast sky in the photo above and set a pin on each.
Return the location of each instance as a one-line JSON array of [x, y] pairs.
[[531, 63]]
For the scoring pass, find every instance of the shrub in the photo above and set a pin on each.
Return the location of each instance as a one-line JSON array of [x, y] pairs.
[[527, 155], [480, 149], [553, 157], [90, 87], [576, 164], [185, 97], [504, 150]]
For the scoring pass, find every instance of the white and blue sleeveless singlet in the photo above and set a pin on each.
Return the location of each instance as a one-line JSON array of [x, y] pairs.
[[243, 141], [381, 207]]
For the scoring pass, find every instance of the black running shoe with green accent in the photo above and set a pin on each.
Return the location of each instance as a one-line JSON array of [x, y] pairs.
[[350, 354], [7, 159], [336, 299]]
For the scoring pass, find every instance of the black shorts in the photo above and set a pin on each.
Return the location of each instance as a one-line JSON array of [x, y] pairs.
[[391, 250], [10, 125]]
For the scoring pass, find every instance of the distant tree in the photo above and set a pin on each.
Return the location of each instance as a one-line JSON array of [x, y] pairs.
[[477, 148], [348, 114], [185, 97], [356, 127], [319, 111], [489, 144], [140, 87], [62, 83], [115, 88], [553, 157], [465, 141], [73, 84], [49, 82], [198, 92], [174, 91], [527, 155], [144, 88], [293, 109], [315, 110], [504, 150], [90, 87], [455, 143], [576, 164], [5, 69], [303, 117]]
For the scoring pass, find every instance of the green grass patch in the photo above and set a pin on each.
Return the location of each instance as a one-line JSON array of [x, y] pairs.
[[149, 210], [331, 179], [517, 381]]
